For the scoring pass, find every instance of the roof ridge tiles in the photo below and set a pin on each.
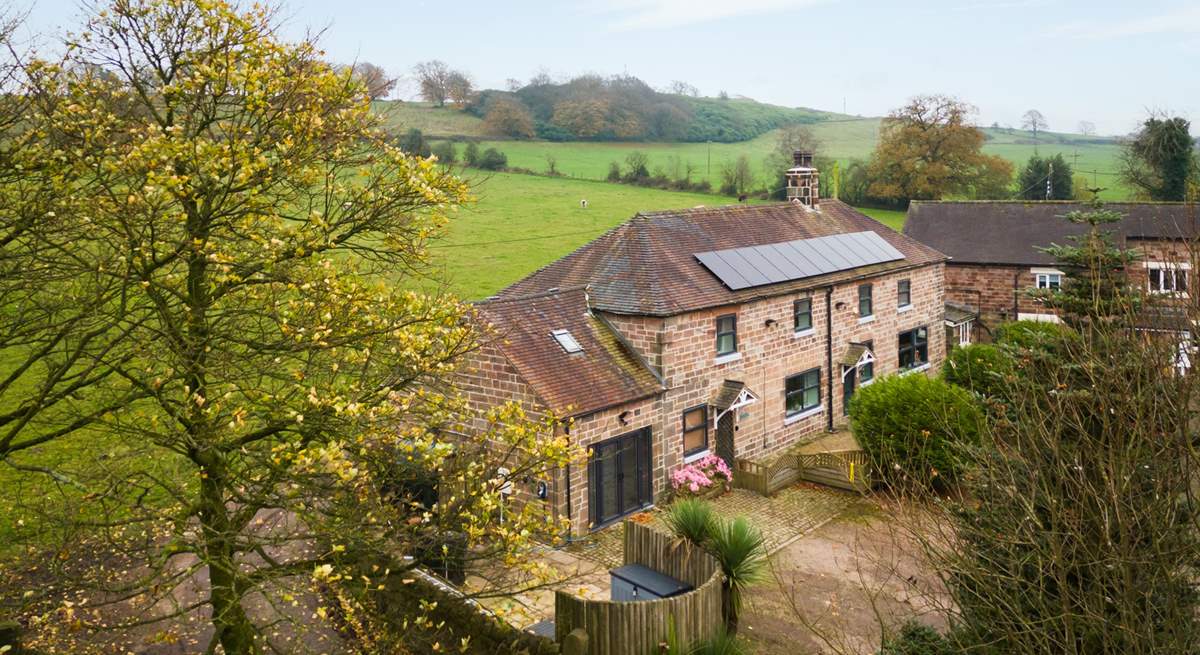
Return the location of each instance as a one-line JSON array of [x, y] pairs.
[[554, 291]]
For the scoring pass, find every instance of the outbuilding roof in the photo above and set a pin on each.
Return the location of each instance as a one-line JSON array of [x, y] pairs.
[[1010, 232], [604, 371], [648, 266]]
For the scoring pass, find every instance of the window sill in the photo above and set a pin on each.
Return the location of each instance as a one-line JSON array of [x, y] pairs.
[[788, 420], [915, 369], [904, 308], [688, 459], [725, 359], [804, 333], [866, 319]]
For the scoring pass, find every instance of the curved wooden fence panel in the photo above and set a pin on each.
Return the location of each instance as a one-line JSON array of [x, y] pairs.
[[638, 628], [845, 469]]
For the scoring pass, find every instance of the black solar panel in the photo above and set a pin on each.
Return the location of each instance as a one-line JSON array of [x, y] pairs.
[[753, 266]]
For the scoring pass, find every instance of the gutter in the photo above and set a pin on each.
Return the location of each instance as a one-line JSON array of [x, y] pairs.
[[829, 357]]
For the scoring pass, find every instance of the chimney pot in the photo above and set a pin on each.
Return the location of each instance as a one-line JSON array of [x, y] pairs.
[[802, 186]]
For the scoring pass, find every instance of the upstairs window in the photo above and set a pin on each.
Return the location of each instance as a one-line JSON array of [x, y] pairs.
[[903, 293], [914, 348], [802, 319], [1167, 277], [802, 392], [726, 334], [865, 306], [1047, 280], [695, 430]]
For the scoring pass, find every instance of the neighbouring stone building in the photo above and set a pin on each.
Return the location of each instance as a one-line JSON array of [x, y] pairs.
[[734, 330], [996, 258]]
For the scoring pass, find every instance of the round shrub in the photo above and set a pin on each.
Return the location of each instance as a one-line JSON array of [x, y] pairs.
[[492, 160], [916, 638], [912, 427], [978, 367]]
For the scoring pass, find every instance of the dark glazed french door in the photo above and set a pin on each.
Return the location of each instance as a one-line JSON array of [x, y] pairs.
[[619, 476]]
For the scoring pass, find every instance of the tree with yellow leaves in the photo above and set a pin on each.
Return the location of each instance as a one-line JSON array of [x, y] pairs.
[[282, 398], [929, 149]]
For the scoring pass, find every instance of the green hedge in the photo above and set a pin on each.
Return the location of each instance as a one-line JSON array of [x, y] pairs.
[[911, 426], [1028, 335]]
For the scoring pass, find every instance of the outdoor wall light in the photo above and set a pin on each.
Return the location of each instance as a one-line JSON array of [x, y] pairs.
[[623, 417], [840, 305], [772, 322]]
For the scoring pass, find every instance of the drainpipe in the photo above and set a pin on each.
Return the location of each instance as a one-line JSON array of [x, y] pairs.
[[829, 357], [570, 515], [1016, 295]]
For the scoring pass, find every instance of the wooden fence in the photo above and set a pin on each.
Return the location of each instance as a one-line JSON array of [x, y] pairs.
[[844, 469], [638, 628]]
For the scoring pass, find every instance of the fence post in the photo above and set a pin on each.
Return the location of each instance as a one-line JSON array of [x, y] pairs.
[[576, 642]]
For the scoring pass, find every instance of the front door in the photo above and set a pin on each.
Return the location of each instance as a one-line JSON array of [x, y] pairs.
[[725, 430], [619, 476], [849, 373]]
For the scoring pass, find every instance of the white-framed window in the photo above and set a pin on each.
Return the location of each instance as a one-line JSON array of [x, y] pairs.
[[1168, 277], [1047, 278], [964, 332]]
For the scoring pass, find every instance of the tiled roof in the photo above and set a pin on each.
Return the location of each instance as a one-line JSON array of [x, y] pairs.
[[605, 373], [1010, 232], [647, 265]]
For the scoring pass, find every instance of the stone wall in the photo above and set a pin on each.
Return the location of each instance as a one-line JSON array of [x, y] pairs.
[[770, 351]]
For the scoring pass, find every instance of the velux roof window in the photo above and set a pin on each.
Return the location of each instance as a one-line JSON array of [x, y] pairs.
[[568, 342]]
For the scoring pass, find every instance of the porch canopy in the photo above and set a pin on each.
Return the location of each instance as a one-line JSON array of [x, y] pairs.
[[856, 356], [732, 395]]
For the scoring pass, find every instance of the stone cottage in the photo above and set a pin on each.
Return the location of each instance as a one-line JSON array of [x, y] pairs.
[[736, 331]]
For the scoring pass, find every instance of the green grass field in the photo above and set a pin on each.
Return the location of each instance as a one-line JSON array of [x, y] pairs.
[[523, 222], [432, 121], [842, 140]]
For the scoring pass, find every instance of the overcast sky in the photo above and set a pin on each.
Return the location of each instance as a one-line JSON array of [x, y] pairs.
[[1108, 62]]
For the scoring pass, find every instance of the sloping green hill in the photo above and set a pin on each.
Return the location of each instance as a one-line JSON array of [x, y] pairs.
[[432, 121]]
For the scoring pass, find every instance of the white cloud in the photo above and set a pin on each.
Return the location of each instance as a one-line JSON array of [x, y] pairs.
[[1185, 20], [656, 14]]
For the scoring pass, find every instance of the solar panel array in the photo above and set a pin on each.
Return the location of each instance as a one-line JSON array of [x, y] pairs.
[[753, 266]]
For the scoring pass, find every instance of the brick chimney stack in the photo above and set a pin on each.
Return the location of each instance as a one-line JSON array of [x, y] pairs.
[[803, 180]]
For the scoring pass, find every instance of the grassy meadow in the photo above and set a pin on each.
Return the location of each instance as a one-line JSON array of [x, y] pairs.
[[520, 223], [843, 139]]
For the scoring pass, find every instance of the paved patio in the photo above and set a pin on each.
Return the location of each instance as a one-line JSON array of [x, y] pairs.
[[783, 518]]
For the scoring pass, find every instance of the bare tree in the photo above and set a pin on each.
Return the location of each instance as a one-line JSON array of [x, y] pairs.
[[1033, 121], [434, 79], [459, 89], [681, 88], [1087, 128], [512, 85], [379, 84]]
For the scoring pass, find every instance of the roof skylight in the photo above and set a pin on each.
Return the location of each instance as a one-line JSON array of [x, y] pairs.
[[567, 341]]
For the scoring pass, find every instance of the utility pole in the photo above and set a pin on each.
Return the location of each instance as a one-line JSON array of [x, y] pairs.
[[1050, 183], [708, 167]]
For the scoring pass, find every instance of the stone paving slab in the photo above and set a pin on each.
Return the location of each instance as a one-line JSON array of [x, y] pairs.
[[783, 518]]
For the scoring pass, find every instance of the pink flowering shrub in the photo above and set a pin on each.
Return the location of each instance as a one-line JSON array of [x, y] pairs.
[[701, 475]]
